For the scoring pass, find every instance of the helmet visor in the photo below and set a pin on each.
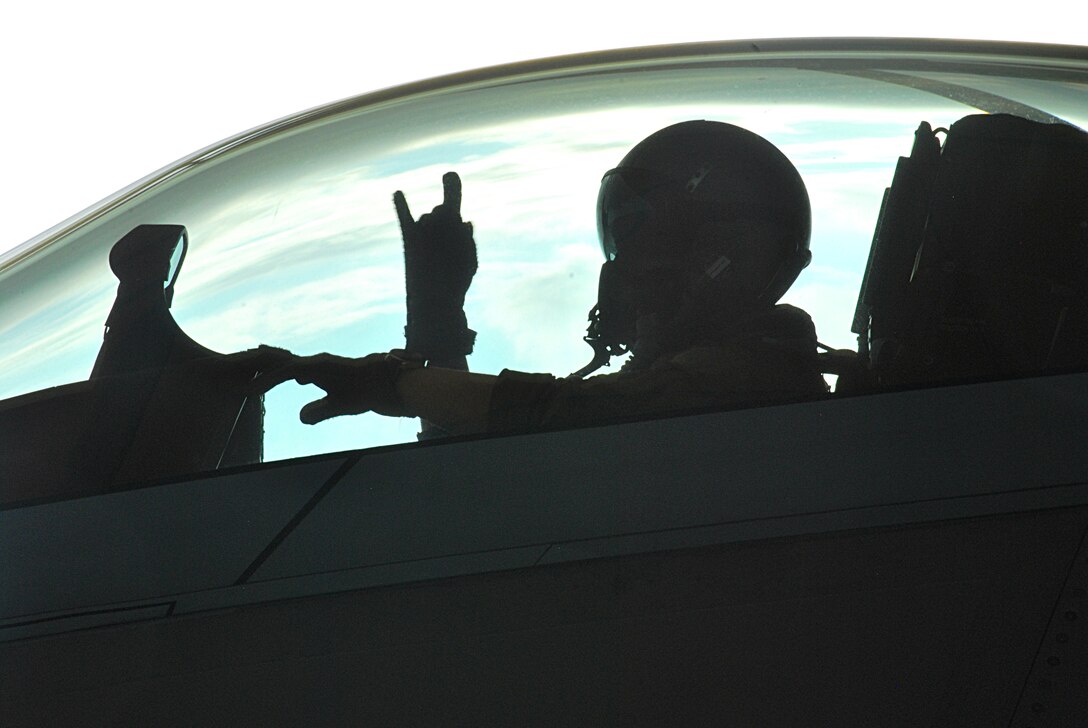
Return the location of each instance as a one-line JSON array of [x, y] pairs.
[[628, 198]]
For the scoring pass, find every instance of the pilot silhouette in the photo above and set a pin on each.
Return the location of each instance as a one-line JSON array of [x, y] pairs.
[[704, 226]]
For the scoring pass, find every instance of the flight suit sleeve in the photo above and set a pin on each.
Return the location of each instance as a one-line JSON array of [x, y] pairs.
[[699, 379], [519, 400], [772, 361]]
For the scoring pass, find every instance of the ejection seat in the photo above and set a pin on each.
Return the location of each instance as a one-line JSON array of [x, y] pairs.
[[978, 268], [157, 403]]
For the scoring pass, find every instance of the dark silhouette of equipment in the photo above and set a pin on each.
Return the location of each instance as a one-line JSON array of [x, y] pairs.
[[140, 332], [157, 403], [979, 263]]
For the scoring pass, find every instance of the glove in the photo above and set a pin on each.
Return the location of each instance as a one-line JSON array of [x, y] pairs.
[[439, 263], [352, 386]]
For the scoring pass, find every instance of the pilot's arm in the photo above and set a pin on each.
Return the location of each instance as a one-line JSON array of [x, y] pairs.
[[394, 384], [457, 401], [747, 371]]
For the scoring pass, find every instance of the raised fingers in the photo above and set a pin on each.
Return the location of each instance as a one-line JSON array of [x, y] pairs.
[[451, 193], [404, 215]]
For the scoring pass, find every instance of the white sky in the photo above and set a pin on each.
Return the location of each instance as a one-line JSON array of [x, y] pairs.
[[97, 95]]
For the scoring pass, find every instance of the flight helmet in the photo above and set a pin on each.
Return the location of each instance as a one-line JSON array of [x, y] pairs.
[[703, 215]]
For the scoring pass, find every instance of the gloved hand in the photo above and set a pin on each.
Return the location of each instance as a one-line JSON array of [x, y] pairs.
[[439, 263], [352, 386]]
